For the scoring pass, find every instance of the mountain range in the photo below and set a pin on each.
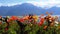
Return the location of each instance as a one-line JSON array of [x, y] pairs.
[[27, 8]]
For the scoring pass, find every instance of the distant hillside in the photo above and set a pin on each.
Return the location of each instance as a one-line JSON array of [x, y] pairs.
[[26, 8]]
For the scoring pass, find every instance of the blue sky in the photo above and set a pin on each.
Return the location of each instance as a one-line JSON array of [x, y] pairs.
[[13, 1], [39, 3], [17, 1]]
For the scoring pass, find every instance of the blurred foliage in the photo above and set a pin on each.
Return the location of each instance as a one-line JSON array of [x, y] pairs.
[[30, 28]]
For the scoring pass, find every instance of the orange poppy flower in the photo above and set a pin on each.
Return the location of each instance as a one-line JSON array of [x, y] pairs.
[[25, 18], [47, 13], [51, 24], [45, 27], [42, 14], [58, 27], [14, 17]]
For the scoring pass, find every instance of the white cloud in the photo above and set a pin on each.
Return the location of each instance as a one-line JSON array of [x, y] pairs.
[[46, 4], [13, 4], [40, 3]]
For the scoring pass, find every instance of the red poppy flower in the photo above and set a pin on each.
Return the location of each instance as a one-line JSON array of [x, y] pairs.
[[41, 21], [21, 20], [0, 16], [8, 20]]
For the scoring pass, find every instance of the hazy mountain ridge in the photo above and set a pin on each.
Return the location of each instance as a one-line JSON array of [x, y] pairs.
[[26, 8]]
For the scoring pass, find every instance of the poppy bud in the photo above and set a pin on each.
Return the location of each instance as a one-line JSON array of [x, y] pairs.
[[47, 13], [0, 22], [6, 29]]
